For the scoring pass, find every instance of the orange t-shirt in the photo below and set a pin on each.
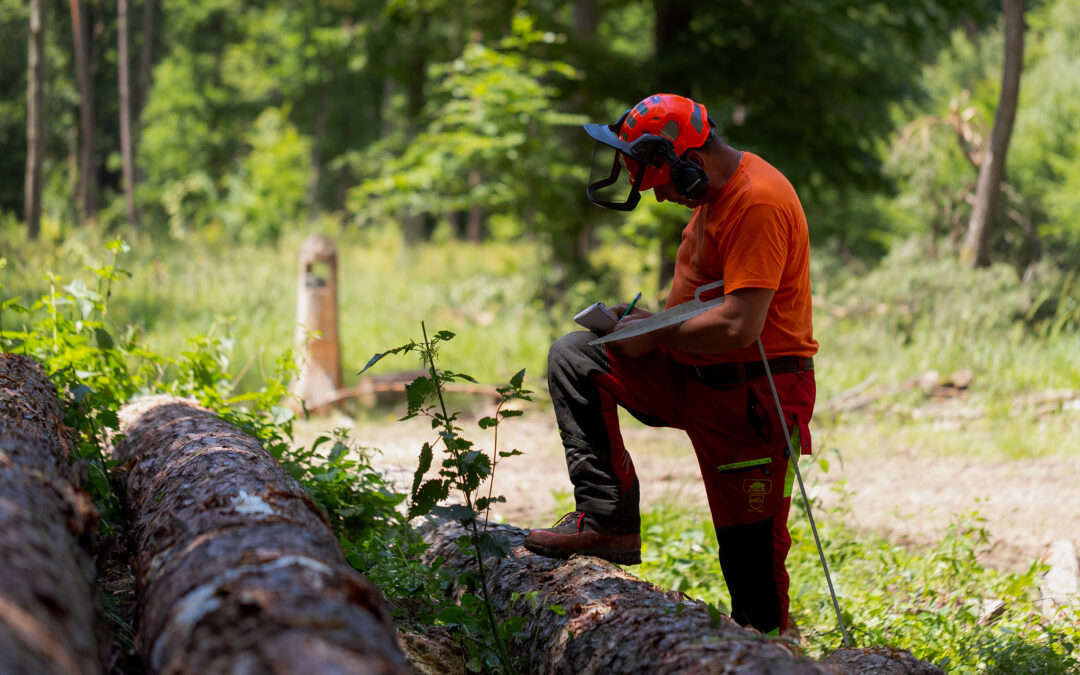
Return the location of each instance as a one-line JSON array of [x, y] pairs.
[[753, 236]]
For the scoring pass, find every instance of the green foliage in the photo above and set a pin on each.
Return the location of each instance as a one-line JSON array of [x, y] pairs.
[[269, 190], [97, 365], [915, 313], [462, 471], [928, 601], [490, 142]]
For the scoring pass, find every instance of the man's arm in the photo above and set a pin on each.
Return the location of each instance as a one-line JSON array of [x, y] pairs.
[[734, 324]]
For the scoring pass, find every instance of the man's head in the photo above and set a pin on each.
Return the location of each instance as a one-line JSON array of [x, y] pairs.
[[654, 141]]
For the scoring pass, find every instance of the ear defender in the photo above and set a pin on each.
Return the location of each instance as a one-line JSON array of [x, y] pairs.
[[689, 179]]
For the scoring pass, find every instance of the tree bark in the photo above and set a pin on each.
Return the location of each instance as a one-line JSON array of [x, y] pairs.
[[80, 32], [976, 248], [672, 28], [318, 136], [237, 568], [127, 145], [146, 56], [610, 622], [35, 118], [48, 611]]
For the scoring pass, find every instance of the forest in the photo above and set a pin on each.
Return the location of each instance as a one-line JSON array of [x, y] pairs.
[[164, 161]]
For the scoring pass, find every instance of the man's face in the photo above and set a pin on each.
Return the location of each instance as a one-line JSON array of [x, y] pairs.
[[668, 193]]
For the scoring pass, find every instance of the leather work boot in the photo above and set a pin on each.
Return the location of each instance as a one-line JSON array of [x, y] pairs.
[[577, 533]]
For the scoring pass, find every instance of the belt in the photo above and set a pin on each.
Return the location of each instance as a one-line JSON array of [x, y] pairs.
[[738, 371]]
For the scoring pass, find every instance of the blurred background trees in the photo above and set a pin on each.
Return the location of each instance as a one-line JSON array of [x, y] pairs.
[[243, 120]]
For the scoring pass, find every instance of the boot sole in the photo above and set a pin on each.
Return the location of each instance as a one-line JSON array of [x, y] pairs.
[[617, 557]]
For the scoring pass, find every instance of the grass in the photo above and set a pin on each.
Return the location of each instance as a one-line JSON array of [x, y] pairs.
[[929, 601], [182, 289], [902, 319]]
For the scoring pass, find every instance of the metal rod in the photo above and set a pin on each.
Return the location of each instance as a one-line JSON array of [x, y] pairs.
[[794, 459]]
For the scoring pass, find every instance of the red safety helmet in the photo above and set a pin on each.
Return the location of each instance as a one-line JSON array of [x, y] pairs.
[[649, 139]]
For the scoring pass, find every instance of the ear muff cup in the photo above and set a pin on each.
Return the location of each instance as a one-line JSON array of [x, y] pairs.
[[689, 179]]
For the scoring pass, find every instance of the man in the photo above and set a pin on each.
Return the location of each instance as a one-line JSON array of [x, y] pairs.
[[704, 375]]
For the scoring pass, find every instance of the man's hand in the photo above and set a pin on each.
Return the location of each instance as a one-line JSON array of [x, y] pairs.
[[638, 346]]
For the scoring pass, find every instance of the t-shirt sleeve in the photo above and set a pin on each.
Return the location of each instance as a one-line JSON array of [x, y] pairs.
[[757, 250]]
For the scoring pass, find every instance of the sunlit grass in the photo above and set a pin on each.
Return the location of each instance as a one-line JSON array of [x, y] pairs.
[[928, 601], [182, 289]]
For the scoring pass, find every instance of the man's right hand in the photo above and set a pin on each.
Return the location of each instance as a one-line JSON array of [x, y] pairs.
[[636, 313]]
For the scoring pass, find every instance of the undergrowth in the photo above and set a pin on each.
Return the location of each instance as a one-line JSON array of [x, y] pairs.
[[935, 602], [930, 601]]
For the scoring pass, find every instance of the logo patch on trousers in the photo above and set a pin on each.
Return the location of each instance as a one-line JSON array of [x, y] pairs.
[[756, 489]]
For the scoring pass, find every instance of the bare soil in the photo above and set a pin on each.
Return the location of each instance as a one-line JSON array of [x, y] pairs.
[[1025, 505]]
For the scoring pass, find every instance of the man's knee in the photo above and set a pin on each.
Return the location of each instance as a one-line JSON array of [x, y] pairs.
[[573, 351]]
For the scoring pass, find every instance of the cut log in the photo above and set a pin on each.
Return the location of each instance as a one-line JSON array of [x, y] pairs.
[[880, 661], [610, 621], [237, 569], [48, 610]]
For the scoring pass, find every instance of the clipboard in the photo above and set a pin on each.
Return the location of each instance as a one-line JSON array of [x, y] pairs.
[[668, 317]]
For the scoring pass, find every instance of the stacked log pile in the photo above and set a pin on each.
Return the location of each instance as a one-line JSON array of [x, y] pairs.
[[236, 568], [48, 610]]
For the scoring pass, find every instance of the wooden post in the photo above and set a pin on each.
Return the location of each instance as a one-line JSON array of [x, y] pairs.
[[319, 356]]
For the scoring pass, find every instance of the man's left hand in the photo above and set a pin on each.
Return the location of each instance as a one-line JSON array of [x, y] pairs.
[[639, 345]]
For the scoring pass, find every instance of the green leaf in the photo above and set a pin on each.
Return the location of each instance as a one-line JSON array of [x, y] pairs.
[[430, 493], [79, 392], [517, 380], [108, 419], [458, 512], [338, 450], [281, 414], [379, 357], [104, 339], [326, 476], [487, 422], [483, 503], [426, 455], [494, 546], [450, 616], [417, 391]]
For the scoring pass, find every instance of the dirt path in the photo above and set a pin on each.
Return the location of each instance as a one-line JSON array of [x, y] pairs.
[[1026, 504]]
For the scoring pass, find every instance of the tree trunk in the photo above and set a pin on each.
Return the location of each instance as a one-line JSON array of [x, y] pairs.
[[672, 27], [146, 56], [318, 136], [237, 568], [35, 118], [610, 622], [80, 32], [127, 149], [474, 220], [976, 248], [47, 588]]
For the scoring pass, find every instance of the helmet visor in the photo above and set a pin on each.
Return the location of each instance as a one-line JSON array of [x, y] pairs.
[[611, 183]]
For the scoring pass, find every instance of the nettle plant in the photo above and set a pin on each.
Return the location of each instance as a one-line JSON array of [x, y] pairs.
[[463, 471]]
